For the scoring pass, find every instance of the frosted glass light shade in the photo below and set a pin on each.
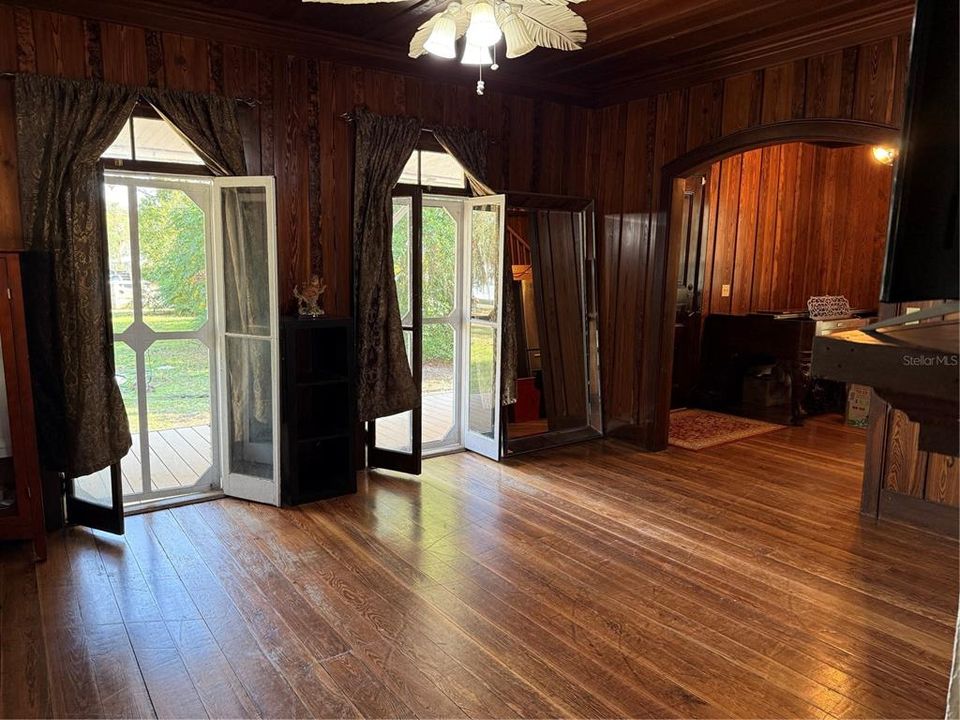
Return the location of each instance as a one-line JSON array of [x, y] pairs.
[[476, 55], [443, 38], [519, 41], [483, 29]]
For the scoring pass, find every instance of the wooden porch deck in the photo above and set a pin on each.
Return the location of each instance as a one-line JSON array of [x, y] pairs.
[[178, 458], [437, 416]]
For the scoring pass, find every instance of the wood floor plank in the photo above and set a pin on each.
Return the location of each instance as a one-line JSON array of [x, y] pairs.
[[459, 684], [370, 696], [697, 545], [306, 676], [406, 662], [171, 688], [123, 692], [588, 581], [683, 563], [25, 682], [259, 676], [197, 462], [538, 608]]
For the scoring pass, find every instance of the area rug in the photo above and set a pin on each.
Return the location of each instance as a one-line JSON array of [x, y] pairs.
[[701, 429]]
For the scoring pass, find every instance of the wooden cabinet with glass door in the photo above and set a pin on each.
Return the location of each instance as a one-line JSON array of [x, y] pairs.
[[21, 509]]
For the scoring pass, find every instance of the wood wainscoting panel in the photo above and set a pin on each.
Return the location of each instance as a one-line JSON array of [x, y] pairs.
[[596, 580]]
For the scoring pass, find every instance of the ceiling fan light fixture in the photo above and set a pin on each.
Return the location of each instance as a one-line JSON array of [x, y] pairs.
[[443, 38], [476, 55], [483, 29], [518, 38]]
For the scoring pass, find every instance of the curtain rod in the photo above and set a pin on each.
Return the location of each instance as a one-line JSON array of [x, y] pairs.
[[348, 117], [250, 102]]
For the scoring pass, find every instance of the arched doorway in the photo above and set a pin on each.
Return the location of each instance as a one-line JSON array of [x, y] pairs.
[[657, 341]]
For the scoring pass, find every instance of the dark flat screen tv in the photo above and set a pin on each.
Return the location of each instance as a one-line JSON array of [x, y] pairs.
[[923, 255]]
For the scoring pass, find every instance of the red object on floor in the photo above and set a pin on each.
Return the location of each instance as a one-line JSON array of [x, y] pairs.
[[527, 407]]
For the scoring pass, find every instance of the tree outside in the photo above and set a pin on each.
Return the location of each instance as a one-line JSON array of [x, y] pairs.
[[173, 276]]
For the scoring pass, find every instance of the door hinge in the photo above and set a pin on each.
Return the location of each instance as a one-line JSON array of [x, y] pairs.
[[9, 294]]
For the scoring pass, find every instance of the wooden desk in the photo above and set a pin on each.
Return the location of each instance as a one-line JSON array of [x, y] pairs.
[[732, 343]]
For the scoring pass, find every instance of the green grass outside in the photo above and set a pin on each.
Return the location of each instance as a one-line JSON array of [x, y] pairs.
[[177, 371]]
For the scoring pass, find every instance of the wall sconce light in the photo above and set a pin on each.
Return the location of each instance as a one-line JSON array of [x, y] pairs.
[[884, 154]]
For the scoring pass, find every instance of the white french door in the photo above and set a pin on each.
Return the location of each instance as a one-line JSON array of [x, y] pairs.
[[484, 222], [248, 336], [162, 295], [195, 319]]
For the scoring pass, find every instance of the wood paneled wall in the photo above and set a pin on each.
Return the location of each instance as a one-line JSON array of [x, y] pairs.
[[794, 220], [631, 142], [295, 131], [914, 472]]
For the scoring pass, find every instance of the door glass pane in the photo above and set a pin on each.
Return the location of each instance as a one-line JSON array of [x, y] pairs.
[[395, 432], [439, 384], [482, 390], [173, 263], [440, 233], [246, 261], [402, 239], [118, 240], [485, 262], [249, 383]]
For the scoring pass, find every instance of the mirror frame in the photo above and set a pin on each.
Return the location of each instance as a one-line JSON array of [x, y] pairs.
[[594, 427]]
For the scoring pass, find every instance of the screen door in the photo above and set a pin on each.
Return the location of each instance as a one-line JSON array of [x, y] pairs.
[[247, 337]]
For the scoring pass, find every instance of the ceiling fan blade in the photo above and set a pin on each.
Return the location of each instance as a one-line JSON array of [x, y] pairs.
[[554, 26]]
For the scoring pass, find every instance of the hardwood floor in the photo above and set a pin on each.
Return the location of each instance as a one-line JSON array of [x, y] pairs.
[[593, 581]]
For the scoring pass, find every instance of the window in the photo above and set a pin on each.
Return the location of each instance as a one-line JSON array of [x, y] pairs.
[[433, 169], [151, 139]]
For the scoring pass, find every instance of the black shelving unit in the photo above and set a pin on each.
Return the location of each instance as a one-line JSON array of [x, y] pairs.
[[318, 409]]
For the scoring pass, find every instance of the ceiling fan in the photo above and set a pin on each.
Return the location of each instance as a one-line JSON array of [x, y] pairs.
[[523, 25]]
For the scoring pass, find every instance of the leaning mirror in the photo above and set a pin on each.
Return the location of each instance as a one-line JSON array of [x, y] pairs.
[[550, 248]]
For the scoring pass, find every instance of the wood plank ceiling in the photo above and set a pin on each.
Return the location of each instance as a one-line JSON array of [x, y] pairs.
[[634, 47]]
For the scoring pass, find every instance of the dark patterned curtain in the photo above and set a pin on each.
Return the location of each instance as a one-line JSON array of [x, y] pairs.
[[470, 148], [386, 385], [208, 122], [63, 127]]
